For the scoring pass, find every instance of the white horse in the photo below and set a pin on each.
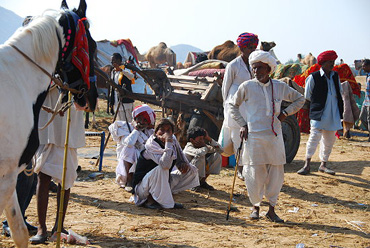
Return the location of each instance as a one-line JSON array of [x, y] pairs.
[[23, 89]]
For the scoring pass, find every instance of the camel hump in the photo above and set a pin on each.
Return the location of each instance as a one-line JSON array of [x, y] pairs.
[[229, 43]]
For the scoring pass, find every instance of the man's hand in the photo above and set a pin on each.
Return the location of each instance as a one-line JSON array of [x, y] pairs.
[[207, 137], [282, 117], [244, 132], [183, 168], [199, 144], [140, 126]]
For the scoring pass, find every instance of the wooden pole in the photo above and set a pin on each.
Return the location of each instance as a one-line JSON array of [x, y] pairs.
[[62, 192]]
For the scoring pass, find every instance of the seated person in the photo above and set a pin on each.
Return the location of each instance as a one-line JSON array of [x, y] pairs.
[[162, 170], [205, 153], [131, 139]]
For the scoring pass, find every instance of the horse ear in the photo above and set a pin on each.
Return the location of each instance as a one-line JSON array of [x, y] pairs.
[[64, 5], [82, 8]]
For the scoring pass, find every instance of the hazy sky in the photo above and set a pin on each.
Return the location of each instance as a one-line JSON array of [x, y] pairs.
[[296, 26]]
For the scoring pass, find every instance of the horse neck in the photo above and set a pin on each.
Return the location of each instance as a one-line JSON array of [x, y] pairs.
[[34, 79]]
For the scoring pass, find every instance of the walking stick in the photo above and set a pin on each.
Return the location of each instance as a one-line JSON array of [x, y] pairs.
[[106, 141], [62, 192], [235, 173]]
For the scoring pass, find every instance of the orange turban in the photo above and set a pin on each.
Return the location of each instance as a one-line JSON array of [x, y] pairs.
[[326, 56]]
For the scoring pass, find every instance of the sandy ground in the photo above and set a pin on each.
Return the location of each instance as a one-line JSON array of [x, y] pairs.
[[320, 210]]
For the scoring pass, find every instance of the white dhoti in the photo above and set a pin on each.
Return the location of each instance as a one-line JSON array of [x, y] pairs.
[[158, 184], [263, 160], [129, 154], [326, 139], [263, 180], [49, 160], [207, 165]]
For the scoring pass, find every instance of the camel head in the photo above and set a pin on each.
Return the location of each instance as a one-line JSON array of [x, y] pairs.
[[267, 46]]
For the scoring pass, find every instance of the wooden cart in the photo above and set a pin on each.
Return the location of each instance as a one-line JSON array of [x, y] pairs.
[[196, 101]]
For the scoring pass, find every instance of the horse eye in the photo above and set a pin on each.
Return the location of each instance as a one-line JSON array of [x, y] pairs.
[[87, 25]]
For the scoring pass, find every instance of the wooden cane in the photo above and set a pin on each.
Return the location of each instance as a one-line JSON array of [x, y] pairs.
[[62, 192], [235, 173]]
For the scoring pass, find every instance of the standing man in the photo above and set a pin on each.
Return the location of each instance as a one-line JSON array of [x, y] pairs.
[[324, 91], [236, 72], [49, 161], [366, 105], [122, 77], [264, 150]]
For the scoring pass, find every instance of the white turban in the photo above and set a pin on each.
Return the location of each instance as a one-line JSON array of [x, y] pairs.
[[264, 57], [146, 111]]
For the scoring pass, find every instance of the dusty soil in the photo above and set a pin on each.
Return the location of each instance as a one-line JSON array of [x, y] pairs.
[[320, 210]]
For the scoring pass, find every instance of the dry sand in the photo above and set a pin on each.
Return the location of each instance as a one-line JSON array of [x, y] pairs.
[[320, 210]]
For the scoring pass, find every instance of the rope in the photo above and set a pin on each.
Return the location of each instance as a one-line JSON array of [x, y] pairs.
[[60, 111], [54, 79]]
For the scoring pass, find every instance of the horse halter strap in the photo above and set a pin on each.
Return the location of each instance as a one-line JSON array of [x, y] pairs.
[[56, 80]]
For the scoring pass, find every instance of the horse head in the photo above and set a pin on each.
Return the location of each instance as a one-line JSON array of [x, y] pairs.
[[76, 59]]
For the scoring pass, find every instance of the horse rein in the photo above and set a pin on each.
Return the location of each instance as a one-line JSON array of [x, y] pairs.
[[56, 80]]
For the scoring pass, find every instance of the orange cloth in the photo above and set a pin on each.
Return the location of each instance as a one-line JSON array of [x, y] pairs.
[[345, 74], [303, 114], [301, 79]]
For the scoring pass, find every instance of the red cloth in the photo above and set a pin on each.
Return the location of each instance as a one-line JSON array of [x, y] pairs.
[[345, 74], [303, 120], [326, 56], [303, 114], [128, 44], [301, 79], [80, 52]]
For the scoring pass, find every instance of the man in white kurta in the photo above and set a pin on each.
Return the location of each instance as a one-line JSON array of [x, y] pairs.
[[171, 174], [50, 156], [324, 92], [264, 152], [236, 72], [131, 138]]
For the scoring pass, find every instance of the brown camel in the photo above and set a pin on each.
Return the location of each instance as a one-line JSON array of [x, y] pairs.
[[267, 46], [309, 60], [161, 54], [140, 57], [226, 52]]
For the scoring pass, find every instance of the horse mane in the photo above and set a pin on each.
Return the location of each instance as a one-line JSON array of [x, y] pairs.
[[43, 30]]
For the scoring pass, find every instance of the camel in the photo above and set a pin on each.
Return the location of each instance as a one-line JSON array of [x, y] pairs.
[[226, 52], [267, 47], [140, 57], [309, 60], [161, 54]]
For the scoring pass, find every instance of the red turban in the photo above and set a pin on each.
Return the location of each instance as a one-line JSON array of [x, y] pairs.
[[145, 111], [246, 39], [326, 56]]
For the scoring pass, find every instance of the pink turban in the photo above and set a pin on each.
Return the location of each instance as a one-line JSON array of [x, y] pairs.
[[326, 56], [246, 39], [145, 111]]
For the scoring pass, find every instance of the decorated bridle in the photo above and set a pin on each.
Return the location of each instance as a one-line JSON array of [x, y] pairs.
[[67, 55]]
